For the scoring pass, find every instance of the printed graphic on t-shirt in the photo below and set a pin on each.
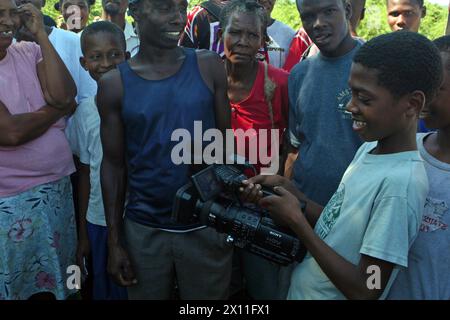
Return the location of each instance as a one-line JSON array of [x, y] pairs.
[[343, 99], [274, 47], [433, 216], [331, 213]]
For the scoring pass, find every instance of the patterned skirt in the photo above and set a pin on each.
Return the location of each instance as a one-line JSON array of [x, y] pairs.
[[37, 241]]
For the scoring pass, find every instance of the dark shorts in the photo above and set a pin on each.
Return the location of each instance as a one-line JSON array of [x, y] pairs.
[[197, 262], [104, 287]]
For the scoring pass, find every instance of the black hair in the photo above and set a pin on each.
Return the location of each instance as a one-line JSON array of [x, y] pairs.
[[443, 43], [406, 61], [419, 2], [102, 27], [247, 6], [57, 5]]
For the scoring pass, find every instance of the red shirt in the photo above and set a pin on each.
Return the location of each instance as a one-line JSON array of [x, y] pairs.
[[298, 46], [253, 112]]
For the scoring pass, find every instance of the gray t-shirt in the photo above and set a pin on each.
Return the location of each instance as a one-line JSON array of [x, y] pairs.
[[428, 273], [318, 124], [280, 36]]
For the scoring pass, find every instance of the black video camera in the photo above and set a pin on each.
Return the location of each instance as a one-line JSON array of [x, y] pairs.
[[212, 198]]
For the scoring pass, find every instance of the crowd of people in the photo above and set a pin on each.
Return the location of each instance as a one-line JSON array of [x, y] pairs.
[[87, 122]]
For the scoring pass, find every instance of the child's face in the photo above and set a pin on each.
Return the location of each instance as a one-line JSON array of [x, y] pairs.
[[242, 38], [376, 113], [326, 22], [437, 114], [405, 15], [103, 53]]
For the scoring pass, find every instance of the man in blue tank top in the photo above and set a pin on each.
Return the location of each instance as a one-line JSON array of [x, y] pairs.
[[161, 89]]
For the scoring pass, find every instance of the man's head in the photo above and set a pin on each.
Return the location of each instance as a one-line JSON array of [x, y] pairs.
[[392, 77], [37, 3], [437, 113], [115, 7], [327, 24], [405, 14], [243, 24], [268, 5], [160, 22], [103, 46], [9, 24], [75, 13], [358, 11]]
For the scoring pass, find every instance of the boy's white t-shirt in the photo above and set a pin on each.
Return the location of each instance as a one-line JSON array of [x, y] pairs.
[[376, 211], [131, 38], [83, 134], [68, 46]]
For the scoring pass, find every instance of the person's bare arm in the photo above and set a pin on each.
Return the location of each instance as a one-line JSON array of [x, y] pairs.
[[57, 84], [84, 190], [350, 279], [213, 73], [290, 155], [222, 104], [113, 174], [21, 128]]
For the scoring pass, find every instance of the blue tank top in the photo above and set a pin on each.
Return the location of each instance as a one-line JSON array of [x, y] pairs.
[[151, 111]]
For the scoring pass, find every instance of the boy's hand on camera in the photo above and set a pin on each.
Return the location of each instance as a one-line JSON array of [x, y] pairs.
[[284, 207], [250, 192], [32, 19], [251, 189]]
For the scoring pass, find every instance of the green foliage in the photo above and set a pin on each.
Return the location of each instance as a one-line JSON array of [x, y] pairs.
[[286, 11], [375, 22]]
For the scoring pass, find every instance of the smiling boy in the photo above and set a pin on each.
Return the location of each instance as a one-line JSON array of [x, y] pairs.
[[375, 213], [104, 47]]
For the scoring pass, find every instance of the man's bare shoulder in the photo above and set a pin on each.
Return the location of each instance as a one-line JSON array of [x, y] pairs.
[[208, 57], [111, 82], [211, 66], [111, 78], [110, 90]]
